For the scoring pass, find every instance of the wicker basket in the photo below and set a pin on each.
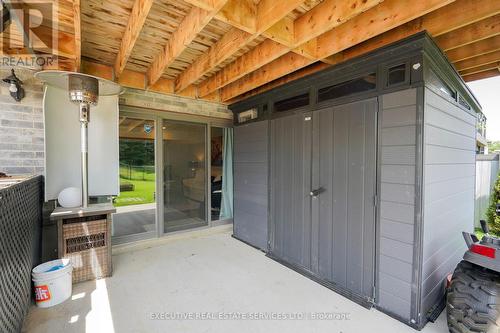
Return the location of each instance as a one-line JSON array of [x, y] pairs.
[[86, 244]]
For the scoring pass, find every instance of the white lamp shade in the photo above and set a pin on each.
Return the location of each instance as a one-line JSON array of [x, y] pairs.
[[70, 197]]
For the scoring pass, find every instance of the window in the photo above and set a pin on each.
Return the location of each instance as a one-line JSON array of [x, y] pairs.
[[442, 86], [291, 103], [365, 83], [463, 102], [396, 74]]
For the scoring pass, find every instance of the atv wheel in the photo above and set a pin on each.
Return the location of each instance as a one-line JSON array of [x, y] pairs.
[[473, 300]]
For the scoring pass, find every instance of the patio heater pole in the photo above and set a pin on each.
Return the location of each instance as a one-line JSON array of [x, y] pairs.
[[84, 91], [84, 122]]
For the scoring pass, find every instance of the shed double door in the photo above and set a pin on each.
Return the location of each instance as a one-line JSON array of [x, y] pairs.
[[323, 186]]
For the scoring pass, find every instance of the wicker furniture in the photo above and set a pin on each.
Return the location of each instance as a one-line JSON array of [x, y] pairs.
[[84, 237]]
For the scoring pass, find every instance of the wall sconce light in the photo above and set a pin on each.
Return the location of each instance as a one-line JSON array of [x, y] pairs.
[[15, 88]]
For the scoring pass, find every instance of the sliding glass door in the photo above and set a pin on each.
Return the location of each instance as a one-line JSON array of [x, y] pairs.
[[135, 205], [184, 175]]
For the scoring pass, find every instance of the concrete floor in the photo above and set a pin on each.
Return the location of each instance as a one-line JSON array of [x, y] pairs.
[[201, 272]]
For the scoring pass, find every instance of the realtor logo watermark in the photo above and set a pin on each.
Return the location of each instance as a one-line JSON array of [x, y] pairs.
[[29, 33], [277, 316]]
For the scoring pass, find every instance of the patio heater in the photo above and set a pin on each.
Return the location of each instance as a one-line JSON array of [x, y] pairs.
[[84, 233], [83, 90]]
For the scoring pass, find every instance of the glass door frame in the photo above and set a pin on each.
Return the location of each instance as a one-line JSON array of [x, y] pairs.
[[147, 234], [158, 117]]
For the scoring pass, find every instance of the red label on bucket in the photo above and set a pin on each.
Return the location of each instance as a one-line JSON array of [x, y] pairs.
[[42, 293]]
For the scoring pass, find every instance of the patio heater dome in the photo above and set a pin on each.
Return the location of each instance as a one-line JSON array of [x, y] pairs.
[[83, 90]]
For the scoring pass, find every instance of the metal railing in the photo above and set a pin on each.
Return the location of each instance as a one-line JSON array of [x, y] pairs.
[[137, 172]]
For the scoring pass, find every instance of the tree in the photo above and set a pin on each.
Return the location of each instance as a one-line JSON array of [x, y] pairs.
[[493, 145], [493, 219]]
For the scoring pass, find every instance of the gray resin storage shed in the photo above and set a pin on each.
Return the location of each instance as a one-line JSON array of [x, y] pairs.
[[362, 176]]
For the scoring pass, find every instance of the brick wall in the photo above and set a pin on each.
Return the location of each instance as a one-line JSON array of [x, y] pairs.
[[21, 127]]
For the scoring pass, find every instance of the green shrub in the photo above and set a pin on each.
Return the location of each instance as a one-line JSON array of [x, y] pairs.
[[493, 219]]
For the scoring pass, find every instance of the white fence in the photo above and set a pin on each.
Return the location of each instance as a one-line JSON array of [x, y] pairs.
[[487, 167]]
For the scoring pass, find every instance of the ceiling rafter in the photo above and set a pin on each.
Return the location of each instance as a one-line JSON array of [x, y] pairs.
[[379, 19], [479, 69], [138, 16], [270, 11], [194, 22], [477, 31], [317, 22], [441, 21], [482, 75], [474, 49], [77, 14], [484, 59]]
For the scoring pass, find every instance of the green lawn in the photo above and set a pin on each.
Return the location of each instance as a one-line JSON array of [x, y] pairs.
[[144, 187]]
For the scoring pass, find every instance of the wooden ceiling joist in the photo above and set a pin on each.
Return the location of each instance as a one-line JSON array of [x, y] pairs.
[[471, 33], [484, 59], [138, 16], [282, 66], [482, 75], [187, 30], [474, 49], [482, 68], [316, 24], [78, 34], [437, 23], [328, 15], [387, 15], [268, 10]]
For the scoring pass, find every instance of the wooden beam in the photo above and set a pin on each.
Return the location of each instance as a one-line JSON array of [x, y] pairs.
[[138, 16], [132, 79], [229, 44], [286, 64], [482, 75], [188, 29], [264, 53], [203, 4], [328, 15], [462, 13], [241, 14], [384, 17], [99, 70], [164, 86], [78, 33], [235, 39], [315, 25], [387, 15], [282, 32], [484, 59], [475, 49], [313, 68], [471, 33], [482, 68]]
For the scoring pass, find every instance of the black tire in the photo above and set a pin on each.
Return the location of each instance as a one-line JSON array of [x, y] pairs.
[[473, 300]]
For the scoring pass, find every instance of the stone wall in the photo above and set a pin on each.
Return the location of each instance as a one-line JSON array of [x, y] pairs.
[[173, 103], [21, 127]]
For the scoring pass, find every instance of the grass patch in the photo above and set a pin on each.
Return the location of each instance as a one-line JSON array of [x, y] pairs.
[[143, 193]]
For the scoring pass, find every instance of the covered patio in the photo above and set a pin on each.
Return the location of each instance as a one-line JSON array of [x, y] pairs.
[[206, 272], [248, 163]]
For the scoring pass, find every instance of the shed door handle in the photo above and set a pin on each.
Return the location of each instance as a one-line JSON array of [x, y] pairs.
[[316, 192]]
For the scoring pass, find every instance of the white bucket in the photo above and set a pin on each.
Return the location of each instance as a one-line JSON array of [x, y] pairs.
[[52, 282]]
